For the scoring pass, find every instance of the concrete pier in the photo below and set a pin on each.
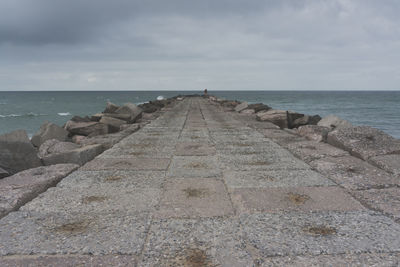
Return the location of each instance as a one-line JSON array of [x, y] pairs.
[[200, 186]]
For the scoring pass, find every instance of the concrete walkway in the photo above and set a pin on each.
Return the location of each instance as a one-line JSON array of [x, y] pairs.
[[197, 187]]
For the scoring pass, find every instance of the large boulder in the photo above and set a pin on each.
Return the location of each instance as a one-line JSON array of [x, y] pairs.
[[53, 146], [96, 117], [113, 123], [334, 122], [76, 156], [364, 142], [80, 119], [149, 107], [49, 131], [132, 110], [314, 132], [292, 117], [241, 106], [277, 117], [110, 108], [3, 173], [24, 186], [258, 107], [86, 128], [17, 152], [77, 139], [248, 111], [306, 120]]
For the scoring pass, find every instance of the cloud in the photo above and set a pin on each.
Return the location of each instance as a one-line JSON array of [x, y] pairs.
[[180, 44]]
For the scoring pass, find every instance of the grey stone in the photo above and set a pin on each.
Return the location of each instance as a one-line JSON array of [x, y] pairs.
[[49, 131], [69, 260], [194, 166], [86, 128], [364, 142], [315, 233], [111, 108], [124, 117], [311, 150], [22, 187], [353, 173], [54, 146], [194, 197], [277, 117], [3, 173], [113, 123], [334, 122], [348, 259], [386, 200], [200, 242], [156, 164], [389, 163], [96, 117], [17, 152], [274, 179], [314, 132], [77, 156], [241, 106], [78, 139], [73, 233], [131, 109]]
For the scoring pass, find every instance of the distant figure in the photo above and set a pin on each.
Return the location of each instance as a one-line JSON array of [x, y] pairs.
[[205, 91]]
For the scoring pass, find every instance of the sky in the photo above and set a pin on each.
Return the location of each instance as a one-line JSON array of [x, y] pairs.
[[191, 45]]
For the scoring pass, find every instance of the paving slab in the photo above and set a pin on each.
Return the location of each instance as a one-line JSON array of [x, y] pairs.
[[274, 179], [188, 242], [194, 166], [389, 163], [194, 149], [251, 200], [315, 233], [100, 198], [136, 151], [194, 197], [68, 260], [311, 150], [30, 233], [118, 179], [386, 200], [355, 259], [156, 164], [353, 173]]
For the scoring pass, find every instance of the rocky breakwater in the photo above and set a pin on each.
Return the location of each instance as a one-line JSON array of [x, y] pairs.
[[29, 167], [363, 160]]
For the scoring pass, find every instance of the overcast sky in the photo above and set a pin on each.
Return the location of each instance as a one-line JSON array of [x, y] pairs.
[[195, 44]]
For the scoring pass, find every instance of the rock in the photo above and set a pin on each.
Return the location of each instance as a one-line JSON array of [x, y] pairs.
[[179, 98], [229, 104], [24, 186], [334, 122], [131, 109], [124, 117], [77, 139], [248, 111], [364, 142], [53, 146], [292, 117], [113, 123], [258, 107], [17, 152], [49, 131], [212, 98], [80, 119], [108, 140], [277, 117], [96, 117], [314, 132], [86, 128], [3, 173], [149, 107], [306, 120], [241, 106], [389, 163], [110, 108], [77, 156]]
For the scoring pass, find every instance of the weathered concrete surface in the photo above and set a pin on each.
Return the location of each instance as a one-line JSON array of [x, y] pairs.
[[199, 186]]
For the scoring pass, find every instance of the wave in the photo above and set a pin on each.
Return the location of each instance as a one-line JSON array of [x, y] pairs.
[[64, 114], [30, 114], [160, 97]]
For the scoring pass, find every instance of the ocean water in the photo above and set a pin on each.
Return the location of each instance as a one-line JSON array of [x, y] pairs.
[[28, 110]]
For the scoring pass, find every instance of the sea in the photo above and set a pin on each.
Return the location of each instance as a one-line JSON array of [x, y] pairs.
[[28, 110]]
